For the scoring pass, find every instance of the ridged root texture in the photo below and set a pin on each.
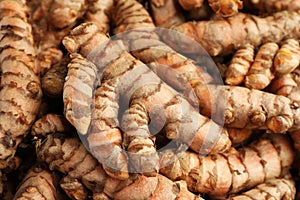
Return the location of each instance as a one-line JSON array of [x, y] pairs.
[[20, 93], [231, 172]]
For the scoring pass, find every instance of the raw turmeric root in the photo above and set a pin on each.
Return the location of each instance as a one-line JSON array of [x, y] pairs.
[[269, 61], [239, 65], [142, 187], [20, 91], [69, 156], [103, 118], [78, 102], [64, 14], [240, 30], [51, 123], [165, 13], [261, 110], [106, 96], [38, 183], [52, 20], [159, 187], [221, 174], [287, 58], [150, 96], [226, 8], [74, 189], [78, 94], [286, 85], [48, 57], [83, 39], [239, 136], [99, 12], [141, 18], [271, 6], [53, 80], [260, 73], [190, 4], [177, 70], [277, 189]]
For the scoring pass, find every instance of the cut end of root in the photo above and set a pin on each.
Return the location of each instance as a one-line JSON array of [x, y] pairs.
[[279, 124], [70, 44]]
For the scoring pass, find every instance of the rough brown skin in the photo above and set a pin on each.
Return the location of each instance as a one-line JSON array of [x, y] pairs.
[[73, 188], [221, 174], [99, 12], [261, 110], [148, 96], [78, 94], [158, 187], [78, 97], [20, 93], [142, 187], [141, 18], [83, 39], [166, 13], [51, 14], [53, 80], [49, 57], [70, 157], [237, 31], [239, 65], [287, 86], [260, 73], [226, 8], [271, 6], [64, 14], [46, 40], [39, 184], [107, 97], [51, 123], [257, 70], [177, 70], [287, 58], [52, 20], [277, 189]]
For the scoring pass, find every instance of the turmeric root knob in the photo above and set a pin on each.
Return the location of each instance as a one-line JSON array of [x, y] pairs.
[[240, 107], [233, 171], [226, 8]]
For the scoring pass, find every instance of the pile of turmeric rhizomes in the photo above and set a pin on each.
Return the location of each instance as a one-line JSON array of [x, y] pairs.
[[157, 99]]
